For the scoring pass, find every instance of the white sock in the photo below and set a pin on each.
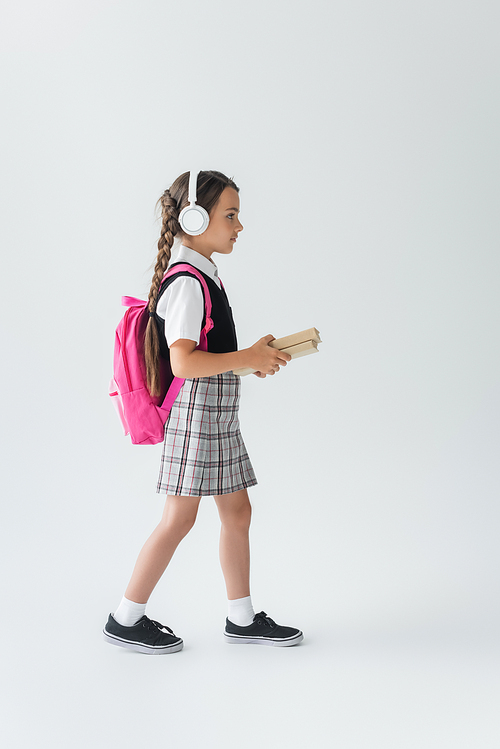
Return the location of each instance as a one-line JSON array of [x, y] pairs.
[[241, 611], [129, 612]]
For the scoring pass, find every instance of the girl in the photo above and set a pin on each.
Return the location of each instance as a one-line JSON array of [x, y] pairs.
[[203, 453]]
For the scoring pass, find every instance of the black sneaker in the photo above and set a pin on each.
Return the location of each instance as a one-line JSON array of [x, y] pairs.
[[262, 631], [145, 636]]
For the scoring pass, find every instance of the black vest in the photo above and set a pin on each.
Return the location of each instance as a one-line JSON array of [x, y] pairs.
[[222, 338]]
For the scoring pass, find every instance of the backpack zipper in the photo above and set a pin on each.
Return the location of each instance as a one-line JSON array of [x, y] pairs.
[[124, 357]]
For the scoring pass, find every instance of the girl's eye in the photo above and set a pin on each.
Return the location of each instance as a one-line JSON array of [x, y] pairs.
[[230, 215]]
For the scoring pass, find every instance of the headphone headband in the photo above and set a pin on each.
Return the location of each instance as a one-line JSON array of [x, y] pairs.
[[193, 181]]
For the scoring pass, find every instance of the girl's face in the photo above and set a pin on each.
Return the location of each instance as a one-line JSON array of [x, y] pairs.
[[223, 228]]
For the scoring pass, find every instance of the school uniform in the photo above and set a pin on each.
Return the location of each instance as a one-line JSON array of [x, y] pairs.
[[203, 450]]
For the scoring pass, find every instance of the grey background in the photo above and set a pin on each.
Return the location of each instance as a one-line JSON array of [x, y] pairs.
[[363, 137]]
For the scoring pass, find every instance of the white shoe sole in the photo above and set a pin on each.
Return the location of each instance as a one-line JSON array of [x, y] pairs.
[[276, 643], [139, 648]]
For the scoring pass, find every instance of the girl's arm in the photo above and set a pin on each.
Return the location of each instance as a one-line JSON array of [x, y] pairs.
[[186, 362]]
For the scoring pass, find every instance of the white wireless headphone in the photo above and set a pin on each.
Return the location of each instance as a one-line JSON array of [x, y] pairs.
[[193, 218]]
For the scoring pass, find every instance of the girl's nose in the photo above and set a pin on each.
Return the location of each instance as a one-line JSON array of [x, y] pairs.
[[240, 227]]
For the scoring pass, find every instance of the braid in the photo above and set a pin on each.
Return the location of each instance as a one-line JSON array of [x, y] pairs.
[[170, 227]]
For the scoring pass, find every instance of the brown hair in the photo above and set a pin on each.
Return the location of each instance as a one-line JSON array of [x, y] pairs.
[[210, 186]]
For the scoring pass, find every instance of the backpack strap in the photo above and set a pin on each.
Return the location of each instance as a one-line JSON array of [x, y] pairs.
[[132, 301], [209, 324]]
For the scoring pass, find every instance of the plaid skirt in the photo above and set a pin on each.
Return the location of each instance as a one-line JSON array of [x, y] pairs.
[[203, 451]]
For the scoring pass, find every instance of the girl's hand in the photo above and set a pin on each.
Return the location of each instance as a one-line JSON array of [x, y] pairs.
[[264, 358], [259, 374]]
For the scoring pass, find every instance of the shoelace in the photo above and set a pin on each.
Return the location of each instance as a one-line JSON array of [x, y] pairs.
[[157, 625], [263, 616]]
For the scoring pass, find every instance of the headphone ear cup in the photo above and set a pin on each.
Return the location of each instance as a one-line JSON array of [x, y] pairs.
[[194, 220]]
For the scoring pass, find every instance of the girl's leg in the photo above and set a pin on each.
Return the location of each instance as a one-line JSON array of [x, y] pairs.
[[177, 520], [235, 512]]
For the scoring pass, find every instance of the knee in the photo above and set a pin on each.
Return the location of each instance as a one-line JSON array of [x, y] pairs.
[[179, 526], [186, 525], [238, 519]]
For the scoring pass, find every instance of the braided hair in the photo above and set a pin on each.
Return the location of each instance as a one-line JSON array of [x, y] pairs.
[[210, 186]]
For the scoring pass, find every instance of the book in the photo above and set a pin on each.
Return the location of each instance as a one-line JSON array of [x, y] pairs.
[[311, 334], [297, 344]]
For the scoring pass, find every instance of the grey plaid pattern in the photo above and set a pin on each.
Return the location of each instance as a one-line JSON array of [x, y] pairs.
[[203, 451]]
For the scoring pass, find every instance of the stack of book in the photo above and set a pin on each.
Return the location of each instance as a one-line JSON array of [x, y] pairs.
[[297, 344]]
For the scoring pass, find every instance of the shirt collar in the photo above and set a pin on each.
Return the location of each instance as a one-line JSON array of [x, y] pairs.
[[187, 255]]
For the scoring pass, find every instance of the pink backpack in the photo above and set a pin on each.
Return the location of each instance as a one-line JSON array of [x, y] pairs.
[[143, 416]]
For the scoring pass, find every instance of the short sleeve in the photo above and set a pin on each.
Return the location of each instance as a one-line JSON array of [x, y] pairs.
[[182, 307]]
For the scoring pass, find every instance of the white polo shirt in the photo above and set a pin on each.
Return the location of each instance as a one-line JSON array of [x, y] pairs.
[[182, 305]]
